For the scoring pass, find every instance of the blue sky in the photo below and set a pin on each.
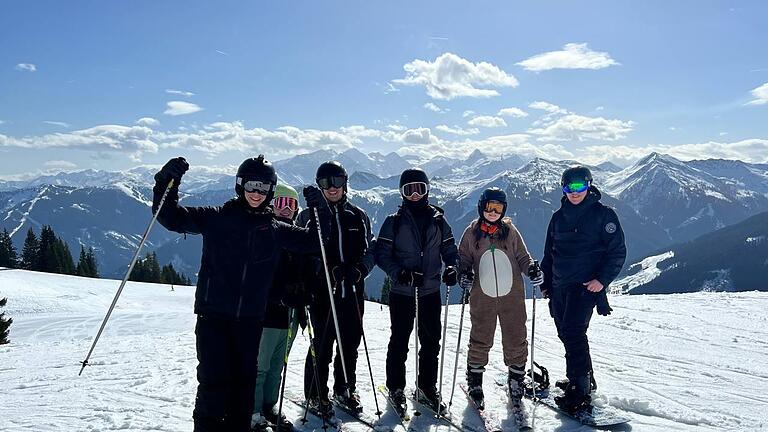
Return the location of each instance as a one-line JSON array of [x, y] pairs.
[[117, 84]]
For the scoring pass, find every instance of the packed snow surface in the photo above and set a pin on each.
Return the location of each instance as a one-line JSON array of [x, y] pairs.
[[670, 362]]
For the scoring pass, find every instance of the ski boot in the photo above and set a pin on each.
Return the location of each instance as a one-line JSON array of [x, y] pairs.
[[323, 409], [349, 400], [281, 424], [431, 398], [563, 383], [475, 386], [259, 423], [399, 401], [576, 397], [516, 384]]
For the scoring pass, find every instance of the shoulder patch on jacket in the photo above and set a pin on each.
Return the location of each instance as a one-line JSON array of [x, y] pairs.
[[610, 227]]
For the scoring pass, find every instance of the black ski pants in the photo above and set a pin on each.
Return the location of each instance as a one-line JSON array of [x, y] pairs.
[[401, 314], [351, 331], [227, 354], [571, 306]]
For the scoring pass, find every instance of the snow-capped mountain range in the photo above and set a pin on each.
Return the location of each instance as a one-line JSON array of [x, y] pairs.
[[661, 200]]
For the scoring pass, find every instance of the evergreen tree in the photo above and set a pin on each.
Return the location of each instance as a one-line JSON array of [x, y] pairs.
[[5, 323], [155, 274], [49, 262], [8, 255], [93, 265], [30, 253], [385, 289], [82, 264]]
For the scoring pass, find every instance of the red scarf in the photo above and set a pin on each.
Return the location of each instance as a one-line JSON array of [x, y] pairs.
[[488, 229]]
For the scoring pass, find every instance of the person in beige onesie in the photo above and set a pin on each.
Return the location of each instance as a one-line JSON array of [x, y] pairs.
[[493, 253]]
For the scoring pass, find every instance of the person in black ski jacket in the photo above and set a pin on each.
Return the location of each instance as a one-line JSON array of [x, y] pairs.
[[583, 253], [349, 253], [242, 241], [412, 246]]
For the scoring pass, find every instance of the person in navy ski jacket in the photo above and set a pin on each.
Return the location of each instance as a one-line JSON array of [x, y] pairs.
[[584, 251], [242, 241]]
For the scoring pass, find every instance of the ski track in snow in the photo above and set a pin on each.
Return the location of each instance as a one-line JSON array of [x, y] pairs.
[[678, 362]]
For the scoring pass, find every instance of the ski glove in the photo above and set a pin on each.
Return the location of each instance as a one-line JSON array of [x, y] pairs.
[[314, 198], [466, 280], [535, 274], [172, 170], [410, 278], [450, 276], [296, 296]]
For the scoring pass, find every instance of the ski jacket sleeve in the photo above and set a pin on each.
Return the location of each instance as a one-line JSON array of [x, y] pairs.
[[466, 257], [385, 248], [546, 260], [302, 240], [616, 250], [180, 219], [448, 250], [369, 259], [522, 256]]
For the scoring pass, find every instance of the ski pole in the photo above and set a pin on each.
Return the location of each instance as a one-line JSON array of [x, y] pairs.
[[458, 343], [285, 365], [367, 357], [445, 328], [127, 275], [316, 381], [533, 272], [330, 295], [416, 339]]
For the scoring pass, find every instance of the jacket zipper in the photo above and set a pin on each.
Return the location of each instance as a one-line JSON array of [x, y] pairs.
[[495, 273], [415, 228]]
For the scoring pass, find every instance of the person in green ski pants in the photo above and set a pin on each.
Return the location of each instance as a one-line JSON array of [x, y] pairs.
[[280, 323]]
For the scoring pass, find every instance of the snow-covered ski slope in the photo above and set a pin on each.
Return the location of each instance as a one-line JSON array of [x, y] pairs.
[[671, 362]]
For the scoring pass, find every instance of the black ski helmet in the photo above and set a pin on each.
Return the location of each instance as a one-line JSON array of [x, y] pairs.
[[576, 173], [492, 194], [413, 175], [332, 169], [258, 169]]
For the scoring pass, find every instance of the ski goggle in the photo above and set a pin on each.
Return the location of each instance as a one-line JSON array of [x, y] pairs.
[[333, 181], [259, 187], [494, 206], [418, 188], [575, 187], [283, 202]]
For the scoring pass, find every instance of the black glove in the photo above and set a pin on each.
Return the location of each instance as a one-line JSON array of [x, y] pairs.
[[465, 282], [603, 308], [295, 296], [172, 170], [410, 278], [535, 274], [450, 276], [314, 197]]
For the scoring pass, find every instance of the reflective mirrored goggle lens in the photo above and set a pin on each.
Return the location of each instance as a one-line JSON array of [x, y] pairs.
[[494, 206], [283, 202], [576, 187], [418, 188], [257, 186], [329, 182]]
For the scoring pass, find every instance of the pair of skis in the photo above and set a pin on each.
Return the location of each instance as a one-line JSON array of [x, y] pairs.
[[491, 419], [423, 410]]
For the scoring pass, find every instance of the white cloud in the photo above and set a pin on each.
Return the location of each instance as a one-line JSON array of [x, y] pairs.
[[57, 123], [176, 108], [420, 135], [760, 94], [2, 121], [600, 108], [103, 139], [62, 164], [572, 56], [723, 133], [457, 130], [26, 67], [574, 127], [148, 122], [548, 107], [434, 108], [502, 145], [451, 76], [179, 92], [487, 121], [512, 112], [467, 113], [396, 127]]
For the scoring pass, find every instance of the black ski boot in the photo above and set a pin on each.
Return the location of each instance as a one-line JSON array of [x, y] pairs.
[[475, 386], [259, 423], [576, 397], [281, 424], [431, 398], [323, 409], [516, 383], [350, 400], [399, 401], [563, 383]]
